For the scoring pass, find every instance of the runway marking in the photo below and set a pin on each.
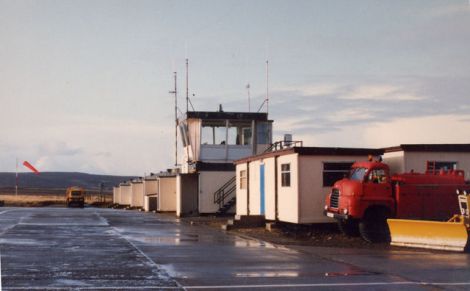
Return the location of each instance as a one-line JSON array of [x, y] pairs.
[[96, 287], [365, 284], [152, 262], [249, 286]]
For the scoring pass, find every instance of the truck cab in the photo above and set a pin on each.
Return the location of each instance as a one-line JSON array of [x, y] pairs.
[[362, 201], [368, 184]]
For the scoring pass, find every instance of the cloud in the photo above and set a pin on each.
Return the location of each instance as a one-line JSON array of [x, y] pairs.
[[380, 92], [449, 10], [366, 104], [59, 148]]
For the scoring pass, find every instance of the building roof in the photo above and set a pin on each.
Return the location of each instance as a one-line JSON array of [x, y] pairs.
[[455, 148], [214, 115], [315, 151]]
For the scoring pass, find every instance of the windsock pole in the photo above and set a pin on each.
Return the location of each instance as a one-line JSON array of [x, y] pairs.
[[16, 178]]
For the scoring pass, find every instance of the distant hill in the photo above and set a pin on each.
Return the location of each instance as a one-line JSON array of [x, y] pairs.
[[53, 180]]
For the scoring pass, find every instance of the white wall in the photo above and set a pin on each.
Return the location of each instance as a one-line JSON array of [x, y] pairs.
[[269, 189], [242, 199], [209, 182], [254, 184], [116, 195], [178, 196], [312, 193], [288, 198], [255, 189], [167, 194], [396, 161], [137, 194], [126, 195], [150, 186]]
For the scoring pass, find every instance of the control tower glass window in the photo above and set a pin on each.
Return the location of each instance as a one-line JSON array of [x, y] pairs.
[[214, 132]]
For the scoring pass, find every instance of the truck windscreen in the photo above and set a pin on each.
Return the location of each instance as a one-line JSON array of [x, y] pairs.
[[357, 174], [76, 193]]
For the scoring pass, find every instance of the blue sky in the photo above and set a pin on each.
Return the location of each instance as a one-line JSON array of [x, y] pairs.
[[84, 84]]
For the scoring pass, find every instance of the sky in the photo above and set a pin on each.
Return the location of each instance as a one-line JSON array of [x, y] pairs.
[[84, 85]]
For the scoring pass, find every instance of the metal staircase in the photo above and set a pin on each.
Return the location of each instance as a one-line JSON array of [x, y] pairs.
[[225, 196]]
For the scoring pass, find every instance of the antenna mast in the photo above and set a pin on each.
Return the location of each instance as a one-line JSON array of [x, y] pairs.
[[187, 84], [176, 121], [249, 102], [267, 86]]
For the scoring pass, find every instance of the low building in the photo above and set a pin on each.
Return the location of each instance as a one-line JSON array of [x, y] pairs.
[[126, 193], [151, 193], [116, 195], [290, 185], [428, 157], [166, 192], [137, 189]]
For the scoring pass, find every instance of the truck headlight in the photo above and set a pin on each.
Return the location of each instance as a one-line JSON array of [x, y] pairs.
[[326, 207], [345, 211]]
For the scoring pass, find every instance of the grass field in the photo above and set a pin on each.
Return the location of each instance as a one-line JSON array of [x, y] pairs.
[[44, 197]]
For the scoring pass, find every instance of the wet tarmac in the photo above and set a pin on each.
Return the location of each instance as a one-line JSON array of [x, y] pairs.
[[106, 249]]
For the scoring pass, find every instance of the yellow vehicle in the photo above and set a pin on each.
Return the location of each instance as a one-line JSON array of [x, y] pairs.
[[451, 235], [75, 196]]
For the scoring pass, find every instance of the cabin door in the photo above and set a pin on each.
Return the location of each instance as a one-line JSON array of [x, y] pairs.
[[261, 190]]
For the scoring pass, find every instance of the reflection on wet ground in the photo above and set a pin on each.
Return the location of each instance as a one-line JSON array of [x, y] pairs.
[[104, 248]]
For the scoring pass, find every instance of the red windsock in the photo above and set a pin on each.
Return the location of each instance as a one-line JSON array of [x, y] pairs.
[[29, 166]]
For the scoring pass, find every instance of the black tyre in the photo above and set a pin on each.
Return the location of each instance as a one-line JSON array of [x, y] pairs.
[[373, 227], [349, 227]]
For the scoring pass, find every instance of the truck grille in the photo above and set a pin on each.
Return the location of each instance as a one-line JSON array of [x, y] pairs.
[[334, 198]]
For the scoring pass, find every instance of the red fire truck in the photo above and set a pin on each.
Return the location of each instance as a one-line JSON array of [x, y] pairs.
[[362, 202]]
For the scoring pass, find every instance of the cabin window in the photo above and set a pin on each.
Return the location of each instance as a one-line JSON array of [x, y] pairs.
[[221, 132], [214, 132], [285, 175], [334, 171], [243, 179], [239, 133], [264, 133], [377, 176], [432, 166]]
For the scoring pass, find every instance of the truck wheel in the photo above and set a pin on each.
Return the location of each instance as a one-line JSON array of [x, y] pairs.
[[373, 227], [349, 227]]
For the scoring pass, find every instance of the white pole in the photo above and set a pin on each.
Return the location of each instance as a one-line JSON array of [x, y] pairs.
[[16, 178]]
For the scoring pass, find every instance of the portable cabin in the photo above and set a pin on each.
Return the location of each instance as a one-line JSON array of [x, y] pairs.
[[126, 193], [150, 193], [290, 185], [116, 195], [428, 157], [211, 142], [166, 192], [137, 189]]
